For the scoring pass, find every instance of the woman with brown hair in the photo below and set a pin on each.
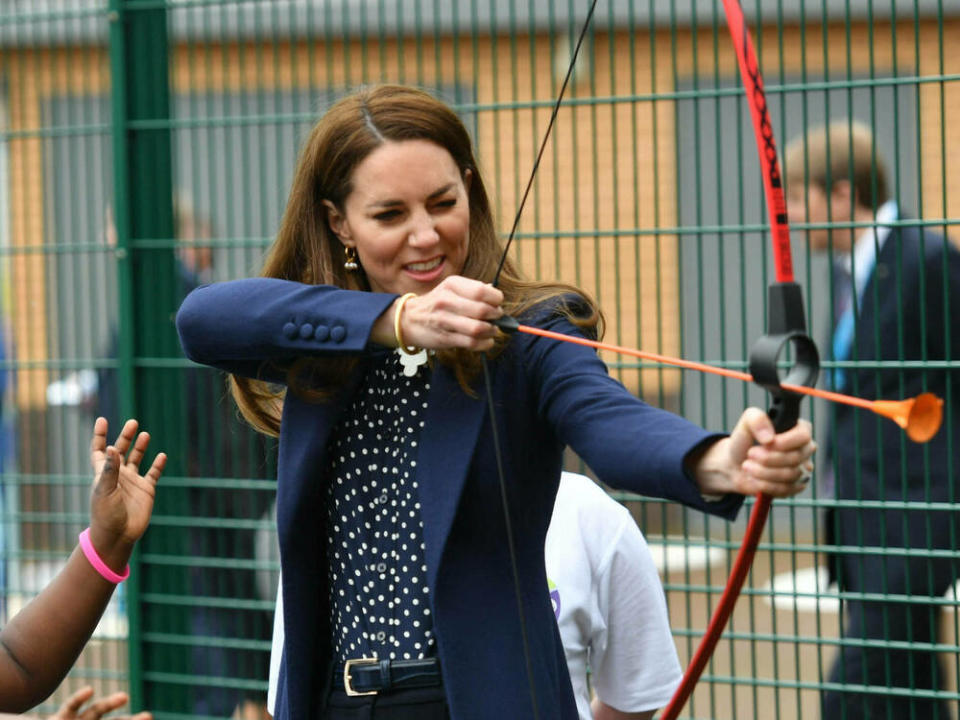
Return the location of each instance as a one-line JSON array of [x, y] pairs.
[[360, 347]]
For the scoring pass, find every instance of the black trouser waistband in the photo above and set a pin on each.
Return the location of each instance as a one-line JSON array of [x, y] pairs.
[[374, 676]]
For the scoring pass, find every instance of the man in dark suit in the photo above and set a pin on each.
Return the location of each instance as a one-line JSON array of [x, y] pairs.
[[896, 292]]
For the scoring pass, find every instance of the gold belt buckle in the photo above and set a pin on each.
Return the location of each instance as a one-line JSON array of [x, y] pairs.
[[347, 685]]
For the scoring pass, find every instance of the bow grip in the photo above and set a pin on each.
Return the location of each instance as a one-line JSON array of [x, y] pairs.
[[786, 325]]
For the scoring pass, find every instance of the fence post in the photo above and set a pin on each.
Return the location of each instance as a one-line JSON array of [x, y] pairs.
[[149, 293]]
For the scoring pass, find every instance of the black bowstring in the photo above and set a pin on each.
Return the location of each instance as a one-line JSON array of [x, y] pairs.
[[509, 528], [543, 144], [487, 377]]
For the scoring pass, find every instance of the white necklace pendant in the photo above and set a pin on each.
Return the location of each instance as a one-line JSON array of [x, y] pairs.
[[412, 361]]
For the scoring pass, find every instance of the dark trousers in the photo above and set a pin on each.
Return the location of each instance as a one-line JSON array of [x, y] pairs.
[[893, 674], [415, 704]]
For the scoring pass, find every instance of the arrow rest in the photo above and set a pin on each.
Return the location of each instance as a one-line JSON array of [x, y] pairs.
[[507, 324], [786, 324]]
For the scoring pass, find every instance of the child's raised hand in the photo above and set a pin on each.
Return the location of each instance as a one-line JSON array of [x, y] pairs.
[[72, 708], [122, 498]]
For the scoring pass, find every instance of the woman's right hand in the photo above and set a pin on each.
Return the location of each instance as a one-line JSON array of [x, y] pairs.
[[455, 314]]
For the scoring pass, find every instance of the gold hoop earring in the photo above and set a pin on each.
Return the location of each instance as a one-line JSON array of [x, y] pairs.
[[350, 263]]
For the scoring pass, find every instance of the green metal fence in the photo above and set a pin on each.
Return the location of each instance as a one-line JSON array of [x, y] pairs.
[[147, 146]]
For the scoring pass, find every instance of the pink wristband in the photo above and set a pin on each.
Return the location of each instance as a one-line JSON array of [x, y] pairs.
[[99, 565]]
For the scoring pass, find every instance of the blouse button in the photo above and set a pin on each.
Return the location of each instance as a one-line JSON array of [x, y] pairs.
[[381, 636], [383, 499], [381, 567]]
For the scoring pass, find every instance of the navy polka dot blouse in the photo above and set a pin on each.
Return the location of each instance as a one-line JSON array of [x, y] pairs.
[[379, 601]]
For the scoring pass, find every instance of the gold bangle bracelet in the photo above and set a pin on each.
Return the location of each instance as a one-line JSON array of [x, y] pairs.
[[396, 326]]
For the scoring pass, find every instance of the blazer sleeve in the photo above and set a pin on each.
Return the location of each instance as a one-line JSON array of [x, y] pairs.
[[249, 326], [942, 260], [629, 444]]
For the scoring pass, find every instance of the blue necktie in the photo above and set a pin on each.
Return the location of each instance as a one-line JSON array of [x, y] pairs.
[[843, 329], [843, 323], [843, 326]]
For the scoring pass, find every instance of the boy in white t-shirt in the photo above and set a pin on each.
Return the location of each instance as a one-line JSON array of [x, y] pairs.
[[609, 603], [612, 612]]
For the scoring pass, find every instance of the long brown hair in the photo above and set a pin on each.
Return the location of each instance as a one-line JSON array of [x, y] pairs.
[[306, 249]]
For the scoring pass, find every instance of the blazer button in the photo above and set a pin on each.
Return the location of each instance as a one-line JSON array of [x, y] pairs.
[[290, 330], [338, 333], [306, 331], [321, 333]]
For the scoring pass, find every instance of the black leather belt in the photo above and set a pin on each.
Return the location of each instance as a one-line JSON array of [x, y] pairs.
[[369, 676]]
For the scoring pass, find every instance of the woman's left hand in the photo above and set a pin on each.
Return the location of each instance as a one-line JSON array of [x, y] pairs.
[[755, 459]]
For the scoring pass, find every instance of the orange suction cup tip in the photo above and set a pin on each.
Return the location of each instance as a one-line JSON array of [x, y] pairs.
[[920, 416], [924, 418]]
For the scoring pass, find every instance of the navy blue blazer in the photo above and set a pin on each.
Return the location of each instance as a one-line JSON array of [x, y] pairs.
[[548, 395], [906, 314]]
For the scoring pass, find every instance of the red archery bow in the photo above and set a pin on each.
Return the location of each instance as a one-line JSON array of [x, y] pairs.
[[784, 273], [919, 416], [783, 263]]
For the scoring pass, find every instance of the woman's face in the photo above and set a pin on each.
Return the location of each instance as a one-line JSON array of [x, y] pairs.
[[408, 216]]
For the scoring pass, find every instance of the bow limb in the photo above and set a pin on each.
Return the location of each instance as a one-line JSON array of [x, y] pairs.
[[780, 235]]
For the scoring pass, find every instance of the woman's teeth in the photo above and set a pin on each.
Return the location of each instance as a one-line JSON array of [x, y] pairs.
[[425, 266]]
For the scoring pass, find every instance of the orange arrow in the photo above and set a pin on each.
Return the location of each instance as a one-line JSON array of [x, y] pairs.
[[920, 416]]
